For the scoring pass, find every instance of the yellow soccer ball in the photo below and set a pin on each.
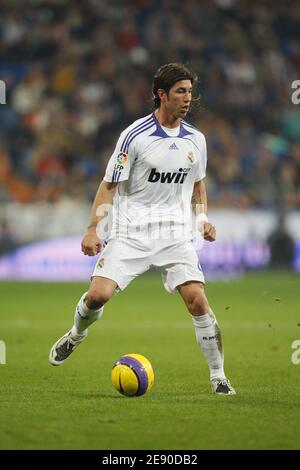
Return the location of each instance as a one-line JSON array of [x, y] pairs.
[[132, 375]]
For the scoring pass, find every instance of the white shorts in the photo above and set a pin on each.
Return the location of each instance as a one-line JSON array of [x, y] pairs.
[[122, 260]]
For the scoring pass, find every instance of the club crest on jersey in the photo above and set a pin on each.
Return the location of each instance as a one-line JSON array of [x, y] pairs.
[[101, 263], [168, 177], [191, 156]]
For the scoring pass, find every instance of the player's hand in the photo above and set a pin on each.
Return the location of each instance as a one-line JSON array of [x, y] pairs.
[[91, 244], [209, 232]]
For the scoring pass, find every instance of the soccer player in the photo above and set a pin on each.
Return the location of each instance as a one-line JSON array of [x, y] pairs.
[[154, 180]]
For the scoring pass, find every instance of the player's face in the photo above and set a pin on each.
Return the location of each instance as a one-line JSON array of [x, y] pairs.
[[177, 102]]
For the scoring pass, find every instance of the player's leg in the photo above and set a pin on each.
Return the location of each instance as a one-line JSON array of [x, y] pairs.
[[88, 310], [91, 305], [118, 264], [208, 334], [183, 273]]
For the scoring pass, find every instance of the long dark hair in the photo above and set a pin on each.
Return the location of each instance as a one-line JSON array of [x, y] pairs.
[[166, 76]]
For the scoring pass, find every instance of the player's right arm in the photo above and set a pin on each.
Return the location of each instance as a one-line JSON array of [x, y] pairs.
[[117, 170], [91, 244]]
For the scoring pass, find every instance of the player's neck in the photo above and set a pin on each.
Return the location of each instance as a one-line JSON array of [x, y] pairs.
[[165, 119]]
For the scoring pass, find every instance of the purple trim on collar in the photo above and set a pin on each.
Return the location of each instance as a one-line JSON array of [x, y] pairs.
[[159, 132], [183, 131]]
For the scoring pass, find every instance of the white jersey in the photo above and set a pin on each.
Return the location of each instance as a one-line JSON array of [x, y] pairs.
[[156, 168]]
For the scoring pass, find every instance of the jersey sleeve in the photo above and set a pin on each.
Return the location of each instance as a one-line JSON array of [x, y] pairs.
[[201, 158], [120, 163]]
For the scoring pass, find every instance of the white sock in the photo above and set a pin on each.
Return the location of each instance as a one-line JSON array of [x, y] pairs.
[[209, 339], [84, 317]]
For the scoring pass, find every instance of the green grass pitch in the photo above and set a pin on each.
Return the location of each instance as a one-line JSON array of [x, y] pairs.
[[75, 407]]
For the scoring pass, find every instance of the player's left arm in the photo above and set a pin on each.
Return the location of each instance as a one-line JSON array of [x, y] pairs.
[[199, 205]]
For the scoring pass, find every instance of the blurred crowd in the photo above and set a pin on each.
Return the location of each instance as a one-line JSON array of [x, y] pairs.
[[78, 72]]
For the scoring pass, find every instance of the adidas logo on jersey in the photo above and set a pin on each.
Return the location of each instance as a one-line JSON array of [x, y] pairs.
[[173, 147], [168, 177]]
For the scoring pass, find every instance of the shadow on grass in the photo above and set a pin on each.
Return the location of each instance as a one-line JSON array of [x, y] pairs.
[[99, 395]]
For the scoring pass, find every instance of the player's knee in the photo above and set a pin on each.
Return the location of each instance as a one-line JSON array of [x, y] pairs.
[[198, 305], [94, 299]]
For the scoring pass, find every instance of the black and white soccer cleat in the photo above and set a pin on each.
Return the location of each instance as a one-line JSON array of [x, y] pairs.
[[62, 349], [222, 387]]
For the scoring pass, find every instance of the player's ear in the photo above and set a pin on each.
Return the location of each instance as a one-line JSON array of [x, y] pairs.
[[160, 93]]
